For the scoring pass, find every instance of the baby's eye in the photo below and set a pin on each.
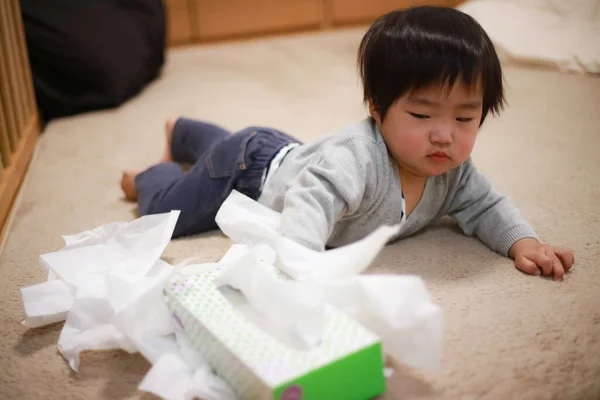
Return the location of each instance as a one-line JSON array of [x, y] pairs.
[[419, 116], [464, 119]]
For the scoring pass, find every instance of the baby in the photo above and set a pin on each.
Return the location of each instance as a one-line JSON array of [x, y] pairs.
[[430, 77]]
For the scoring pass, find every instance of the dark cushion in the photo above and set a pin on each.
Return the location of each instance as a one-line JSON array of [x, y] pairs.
[[92, 54]]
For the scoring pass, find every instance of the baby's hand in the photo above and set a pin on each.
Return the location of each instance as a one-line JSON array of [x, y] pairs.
[[535, 258]]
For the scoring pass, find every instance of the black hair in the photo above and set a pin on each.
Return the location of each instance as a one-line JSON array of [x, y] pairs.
[[410, 49]]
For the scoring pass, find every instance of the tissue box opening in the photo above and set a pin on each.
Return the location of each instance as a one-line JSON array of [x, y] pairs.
[[239, 302]]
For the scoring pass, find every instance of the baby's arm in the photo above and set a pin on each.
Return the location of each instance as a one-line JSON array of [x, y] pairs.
[[326, 190], [496, 221]]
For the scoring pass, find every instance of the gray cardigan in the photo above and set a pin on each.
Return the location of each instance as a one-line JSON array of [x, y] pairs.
[[342, 187]]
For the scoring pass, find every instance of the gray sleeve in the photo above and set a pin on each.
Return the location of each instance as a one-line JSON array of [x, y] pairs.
[[326, 190], [485, 213]]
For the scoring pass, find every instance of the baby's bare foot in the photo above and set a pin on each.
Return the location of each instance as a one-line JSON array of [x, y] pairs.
[[170, 124], [128, 185]]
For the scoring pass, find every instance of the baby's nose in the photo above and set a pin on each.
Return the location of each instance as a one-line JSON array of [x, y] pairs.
[[441, 135]]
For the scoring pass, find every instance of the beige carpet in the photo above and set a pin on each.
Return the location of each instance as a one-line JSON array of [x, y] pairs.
[[506, 335]]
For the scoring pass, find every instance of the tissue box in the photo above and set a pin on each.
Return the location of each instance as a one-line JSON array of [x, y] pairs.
[[260, 362]]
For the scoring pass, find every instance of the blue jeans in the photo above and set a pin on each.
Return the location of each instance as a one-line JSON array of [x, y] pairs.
[[221, 162]]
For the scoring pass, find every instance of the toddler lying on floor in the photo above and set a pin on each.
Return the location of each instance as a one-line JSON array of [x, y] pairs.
[[430, 77]]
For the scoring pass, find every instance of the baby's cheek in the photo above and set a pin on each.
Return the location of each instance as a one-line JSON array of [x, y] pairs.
[[465, 146], [416, 143], [407, 145]]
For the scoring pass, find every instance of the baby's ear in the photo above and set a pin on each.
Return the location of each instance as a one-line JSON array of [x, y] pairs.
[[373, 111]]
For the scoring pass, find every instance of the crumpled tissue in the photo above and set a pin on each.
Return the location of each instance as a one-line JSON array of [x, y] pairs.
[[299, 308], [105, 281], [397, 308]]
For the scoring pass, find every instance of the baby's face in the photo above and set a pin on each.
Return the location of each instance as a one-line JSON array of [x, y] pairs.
[[432, 130]]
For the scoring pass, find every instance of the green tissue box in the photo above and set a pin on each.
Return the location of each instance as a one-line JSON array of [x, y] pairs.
[[261, 362]]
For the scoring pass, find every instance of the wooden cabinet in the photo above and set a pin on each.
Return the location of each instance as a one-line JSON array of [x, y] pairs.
[[225, 18], [349, 11], [208, 20], [179, 21], [355, 11]]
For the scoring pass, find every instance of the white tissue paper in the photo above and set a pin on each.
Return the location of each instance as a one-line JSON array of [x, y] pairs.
[[104, 281], [300, 307], [397, 308], [249, 222], [46, 303]]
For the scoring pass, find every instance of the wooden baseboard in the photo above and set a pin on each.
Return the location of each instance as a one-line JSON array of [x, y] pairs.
[[14, 174]]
